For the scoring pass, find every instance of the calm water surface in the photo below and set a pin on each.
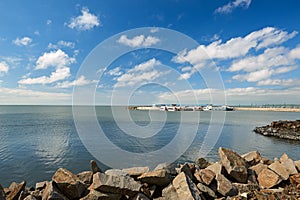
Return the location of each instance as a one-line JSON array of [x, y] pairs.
[[36, 140]]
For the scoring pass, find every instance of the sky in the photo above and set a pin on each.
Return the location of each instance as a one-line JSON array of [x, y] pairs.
[[248, 50]]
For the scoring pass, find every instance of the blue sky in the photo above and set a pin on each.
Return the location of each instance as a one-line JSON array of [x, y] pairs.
[[254, 45]]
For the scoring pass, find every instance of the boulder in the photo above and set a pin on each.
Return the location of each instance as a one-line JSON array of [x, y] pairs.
[[288, 164], [268, 179], [2, 194], [169, 192], [234, 164], [157, 177], [252, 158], [124, 185], [40, 185], [30, 197], [116, 172], [207, 176], [136, 171], [295, 179], [245, 188], [279, 169], [96, 195], [189, 170], [68, 183], [140, 196], [206, 190], [297, 164], [216, 168], [224, 186], [202, 163], [16, 190], [52, 193], [86, 177], [185, 188], [94, 167], [258, 168], [170, 168]]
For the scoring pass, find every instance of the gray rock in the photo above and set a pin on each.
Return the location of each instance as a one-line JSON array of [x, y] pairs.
[[170, 168], [188, 169], [16, 190], [268, 179], [94, 167], [136, 171], [40, 185], [297, 164], [185, 188], [224, 186], [234, 164], [86, 177], [252, 158], [68, 183], [202, 163], [30, 197], [96, 195], [115, 184], [288, 164], [207, 176], [116, 172], [52, 193], [279, 169], [258, 168], [203, 188], [245, 188], [157, 177], [170, 193], [216, 168]]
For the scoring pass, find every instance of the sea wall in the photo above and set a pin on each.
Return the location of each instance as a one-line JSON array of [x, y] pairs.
[[281, 129], [248, 176]]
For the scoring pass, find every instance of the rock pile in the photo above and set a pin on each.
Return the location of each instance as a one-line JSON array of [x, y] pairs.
[[248, 176], [281, 129]]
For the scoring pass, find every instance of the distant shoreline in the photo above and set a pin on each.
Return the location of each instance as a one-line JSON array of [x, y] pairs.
[[268, 109]]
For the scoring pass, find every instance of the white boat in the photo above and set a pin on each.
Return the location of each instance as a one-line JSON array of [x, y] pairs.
[[207, 108]]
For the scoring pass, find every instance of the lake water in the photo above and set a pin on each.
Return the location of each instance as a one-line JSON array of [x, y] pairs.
[[36, 140]]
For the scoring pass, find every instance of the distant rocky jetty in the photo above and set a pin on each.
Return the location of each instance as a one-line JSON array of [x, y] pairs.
[[248, 176], [281, 129]]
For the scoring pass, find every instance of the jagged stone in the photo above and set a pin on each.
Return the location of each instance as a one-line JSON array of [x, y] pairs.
[[96, 195], [140, 196], [295, 179], [268, 179], [16, 190], [37, 194], [207, 176], [86, 177], [252, 177], [189, 170], [157, 177], [258, 168], [68, 183], [245, 188], [2, 194], [148, 190], [202, 163], [185, 188], [115, 184], [288, 164], [170, 168], [169, 192], [203, 188], [30, 197], [216, 168], [297, 164], [94, 167], [224, 186], [116, 172], [279, 169], [234, 164], [40, 185], [136, 171], [252, 157], [52, 193]]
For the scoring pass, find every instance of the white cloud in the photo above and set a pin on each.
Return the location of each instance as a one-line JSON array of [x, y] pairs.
[[295, 53], [138, 41], [22, 41], [61, 44], [86, 21], [81, 81], [141, 73], [3, 67], [49, 21], [279, 82], [56, 59], [228, 8], [115, 72], [57, 75]]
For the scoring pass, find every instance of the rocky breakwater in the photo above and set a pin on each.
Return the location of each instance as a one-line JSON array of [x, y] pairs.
[[248, 176], [281, 129]]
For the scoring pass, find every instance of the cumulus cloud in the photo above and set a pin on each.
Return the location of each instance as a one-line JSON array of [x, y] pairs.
[[279, 82], [84, 22], [61, 44], [81, 81], [138, 41], [22, 41], [56, 59], [3, 67], [228, 8], [115, 72]]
